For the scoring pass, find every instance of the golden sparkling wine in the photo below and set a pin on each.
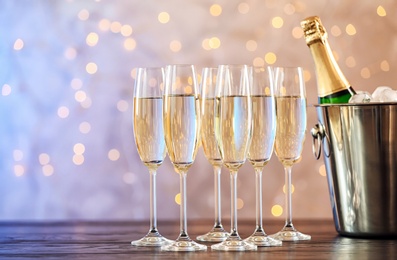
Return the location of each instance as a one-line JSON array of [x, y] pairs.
[[182, 129], [332, 85], [148, 131], [260, 150], [235, 130], [208, 140], [290, 131]]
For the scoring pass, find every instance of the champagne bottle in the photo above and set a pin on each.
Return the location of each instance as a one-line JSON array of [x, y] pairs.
[[332, 85]]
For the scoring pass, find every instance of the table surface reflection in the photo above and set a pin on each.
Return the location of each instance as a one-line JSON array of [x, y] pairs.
[[111, 240]]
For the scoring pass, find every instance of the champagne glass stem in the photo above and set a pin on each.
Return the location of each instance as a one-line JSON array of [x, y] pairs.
[[153, 237], [259, 237], [233, 196], [217, 195], [258, 188], [153, 202], [217, 233], [288, 197], [234, 241], [183, 221], [183, 242]]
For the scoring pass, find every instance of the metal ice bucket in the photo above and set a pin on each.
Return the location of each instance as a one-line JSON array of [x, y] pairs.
[[359, 146]]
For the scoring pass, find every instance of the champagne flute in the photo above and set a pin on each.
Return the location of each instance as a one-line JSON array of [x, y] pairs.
[[290, 135], [149, 139], [181, 111], [262, 143], [233, 129], [211, 151]]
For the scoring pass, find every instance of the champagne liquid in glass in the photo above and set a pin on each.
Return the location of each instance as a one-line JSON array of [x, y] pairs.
[[235, 136], [291, 129], [181, 120], [148, 131], [208, 140], [261, 150]]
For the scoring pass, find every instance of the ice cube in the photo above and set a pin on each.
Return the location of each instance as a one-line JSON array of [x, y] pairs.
[[382, 93], [361, 97]]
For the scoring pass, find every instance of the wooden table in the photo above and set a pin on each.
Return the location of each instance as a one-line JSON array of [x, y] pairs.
[[111, 240]]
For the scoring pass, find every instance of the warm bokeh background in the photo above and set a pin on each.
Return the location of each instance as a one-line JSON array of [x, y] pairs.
[[67, 73]]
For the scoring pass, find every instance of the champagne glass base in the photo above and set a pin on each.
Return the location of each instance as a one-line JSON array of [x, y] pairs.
[[234, 245], [262, 239], [184, 246], [290, 235], [215, 235], [152, 239]]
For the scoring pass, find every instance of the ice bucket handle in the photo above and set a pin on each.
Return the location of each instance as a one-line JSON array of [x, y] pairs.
[[319, 135]]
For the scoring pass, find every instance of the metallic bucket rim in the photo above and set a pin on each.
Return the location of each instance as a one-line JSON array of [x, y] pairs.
[[376, 104]]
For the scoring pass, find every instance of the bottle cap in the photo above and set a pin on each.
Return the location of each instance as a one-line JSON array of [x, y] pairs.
[[313, 30]]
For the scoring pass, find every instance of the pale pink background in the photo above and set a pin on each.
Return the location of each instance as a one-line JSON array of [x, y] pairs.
[[44, 75]]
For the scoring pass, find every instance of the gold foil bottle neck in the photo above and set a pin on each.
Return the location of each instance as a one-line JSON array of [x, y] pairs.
[[330, 79], [313, 30]]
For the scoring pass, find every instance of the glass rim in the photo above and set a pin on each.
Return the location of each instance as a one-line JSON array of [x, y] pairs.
[[234, 65], [180, 65], [288, 67], [150, 68]]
